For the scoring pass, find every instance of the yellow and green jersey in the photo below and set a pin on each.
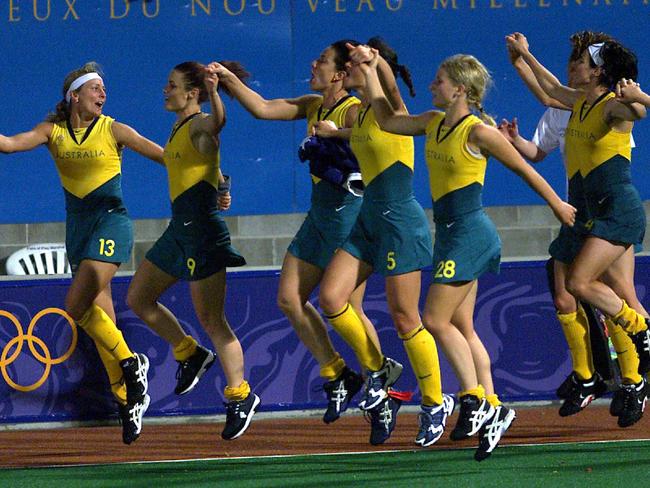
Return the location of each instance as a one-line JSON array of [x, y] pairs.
[[452, 164], [589, 141], [186, 166], [86, 158], [378, 150]]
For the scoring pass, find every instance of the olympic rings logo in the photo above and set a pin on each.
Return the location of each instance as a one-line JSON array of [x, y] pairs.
[[32, 341]]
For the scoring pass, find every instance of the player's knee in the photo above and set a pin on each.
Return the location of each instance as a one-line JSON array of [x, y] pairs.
[[435, 327], [467, 330], [331, 301], [577, 286], [404, 322], [288, 302], [74, 308], [211, 319], [134, 302], [564, 302]]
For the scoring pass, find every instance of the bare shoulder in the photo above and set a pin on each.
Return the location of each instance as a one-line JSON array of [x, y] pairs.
[[309, 97], [44, 127], [304, 101], [487, 137], [483, 130], [428, 116]]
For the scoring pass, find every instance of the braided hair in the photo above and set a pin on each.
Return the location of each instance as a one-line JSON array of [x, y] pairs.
[[466, 70], [389, 54]]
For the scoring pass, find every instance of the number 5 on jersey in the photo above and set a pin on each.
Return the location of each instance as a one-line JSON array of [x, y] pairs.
[[390, 261]]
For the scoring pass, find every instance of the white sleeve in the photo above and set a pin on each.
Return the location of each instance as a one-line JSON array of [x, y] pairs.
[[547, 134]]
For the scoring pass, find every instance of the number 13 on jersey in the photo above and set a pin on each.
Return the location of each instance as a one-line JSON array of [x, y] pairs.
[[106, 247]]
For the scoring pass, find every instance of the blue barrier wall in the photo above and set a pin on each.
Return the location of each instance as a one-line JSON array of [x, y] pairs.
[[138, 42], [514, 317]]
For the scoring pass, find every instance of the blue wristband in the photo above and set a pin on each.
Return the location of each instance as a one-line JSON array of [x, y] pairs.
[[224, 188]]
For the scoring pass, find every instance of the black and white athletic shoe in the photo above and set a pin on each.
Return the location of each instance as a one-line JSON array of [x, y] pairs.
[[239, 415], [491, 433], [131, 419], [134, 370], [189, 372], [378, 383], [634, 398], [340, 392], [473, 414], [582, 393], [383, 419], [432, 424]]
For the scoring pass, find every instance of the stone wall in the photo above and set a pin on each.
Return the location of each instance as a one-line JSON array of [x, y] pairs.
[[526, 232]]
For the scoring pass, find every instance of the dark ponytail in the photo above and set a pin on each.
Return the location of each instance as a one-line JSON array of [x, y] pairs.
[[238, 70], [389, 54], [618, 62], [194, 75]]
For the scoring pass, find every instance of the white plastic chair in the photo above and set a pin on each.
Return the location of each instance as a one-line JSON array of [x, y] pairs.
[[39, 259]]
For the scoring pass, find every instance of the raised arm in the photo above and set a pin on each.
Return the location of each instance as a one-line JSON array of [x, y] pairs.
[[128, 137], [210, 126], [389, 86], [620, 115], [527, 76], [628, 105], [26, 140], [259, 107], [628, 91], [490, 140], [546, 80], [389, 119]]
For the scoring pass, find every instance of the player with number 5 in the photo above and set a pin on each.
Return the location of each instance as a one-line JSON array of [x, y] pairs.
[[391, 237], [467, 244]]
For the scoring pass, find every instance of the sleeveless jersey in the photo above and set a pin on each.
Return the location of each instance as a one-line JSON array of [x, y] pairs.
[[377, 150], [186, 166], [451, 164], [85, 158], [590, 142]]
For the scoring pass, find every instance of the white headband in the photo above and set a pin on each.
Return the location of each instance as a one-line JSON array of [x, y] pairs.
[[78, 82], [594, 52]]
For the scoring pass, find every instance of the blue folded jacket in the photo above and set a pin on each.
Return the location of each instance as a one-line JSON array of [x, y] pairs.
[[331, 159]]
